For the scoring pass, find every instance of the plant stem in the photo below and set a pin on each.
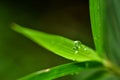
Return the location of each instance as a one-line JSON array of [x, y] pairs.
[[112, 68]]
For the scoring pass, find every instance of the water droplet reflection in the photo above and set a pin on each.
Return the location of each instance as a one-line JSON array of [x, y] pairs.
[[77, 46]]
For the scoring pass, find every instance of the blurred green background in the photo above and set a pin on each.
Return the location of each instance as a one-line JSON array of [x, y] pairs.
[[20, 56]]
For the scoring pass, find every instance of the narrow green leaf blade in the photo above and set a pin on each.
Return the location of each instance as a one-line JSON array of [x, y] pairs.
[[112, 31], [62, 70], [91, 74], [97, 75], [97, 15], [59, 45], [105, 18]]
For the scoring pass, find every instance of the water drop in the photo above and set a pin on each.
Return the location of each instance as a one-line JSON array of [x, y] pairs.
[[76, 49], [77, 46], [85, 49], [77, 43], [76, 52]]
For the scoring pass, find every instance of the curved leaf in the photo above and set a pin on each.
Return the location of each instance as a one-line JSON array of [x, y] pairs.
[[62, 70], [59, 45]]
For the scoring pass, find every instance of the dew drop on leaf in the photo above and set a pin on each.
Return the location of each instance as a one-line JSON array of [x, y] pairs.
[[77, 46]]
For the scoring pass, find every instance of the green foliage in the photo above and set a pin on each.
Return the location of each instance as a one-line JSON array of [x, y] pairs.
[[105, 21], [97, 15], [59, 45], [62, 70], [112, 31], [105, 27], [63, 47]]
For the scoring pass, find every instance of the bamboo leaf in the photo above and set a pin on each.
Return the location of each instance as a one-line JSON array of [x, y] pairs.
[[97, 15], [59, 45], [62, 70], [112, 31], [105, 18]]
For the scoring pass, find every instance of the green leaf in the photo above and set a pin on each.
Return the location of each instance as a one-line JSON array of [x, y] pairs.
[[62, 70], [59, 45], [97, 75], [91, 74], [112, 31], [97, 15], [109, 76], [105, 19]]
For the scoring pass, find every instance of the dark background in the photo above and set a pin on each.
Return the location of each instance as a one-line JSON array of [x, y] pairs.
[[20, 56]]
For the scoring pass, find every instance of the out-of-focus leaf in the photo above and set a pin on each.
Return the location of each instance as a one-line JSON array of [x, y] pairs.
[[97, 15], [109, 76], [62, 70], [97, 75], [105, 17], [112, 31], [91, 74], [59, 45]]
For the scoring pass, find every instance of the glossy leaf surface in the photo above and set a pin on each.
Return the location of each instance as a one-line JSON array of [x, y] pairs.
[[59, 45]]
